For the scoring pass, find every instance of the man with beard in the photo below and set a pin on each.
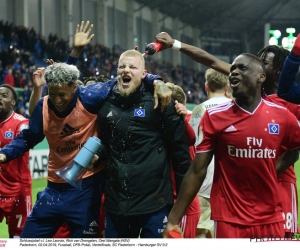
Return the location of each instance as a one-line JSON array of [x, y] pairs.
[[245, 136], [142, 142]]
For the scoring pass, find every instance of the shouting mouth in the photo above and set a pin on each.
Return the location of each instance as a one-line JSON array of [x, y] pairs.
[[234, 82], [126, 80]]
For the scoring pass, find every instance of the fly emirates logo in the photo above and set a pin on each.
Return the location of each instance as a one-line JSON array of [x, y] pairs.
[[254, 150]]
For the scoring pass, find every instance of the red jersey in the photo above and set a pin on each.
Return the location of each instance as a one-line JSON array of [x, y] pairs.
[[289, 174], [246, 146], [9, 79], [16, 172], [194, 207], [190, 134]]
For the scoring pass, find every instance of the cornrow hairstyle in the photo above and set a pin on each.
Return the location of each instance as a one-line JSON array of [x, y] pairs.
[[15, 96], [280, 54]]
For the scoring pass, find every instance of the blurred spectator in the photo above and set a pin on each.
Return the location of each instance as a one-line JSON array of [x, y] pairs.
[[26, 93], [17, 64], [9, 78], [20, 103], [18, 78], [22, 50]]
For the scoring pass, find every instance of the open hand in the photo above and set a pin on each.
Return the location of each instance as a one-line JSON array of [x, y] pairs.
[[38, 77], [50, 61], [169, 228], [180, 109], [82, 36], [165, 39], [2, 158], [90, 167], [162, 94]]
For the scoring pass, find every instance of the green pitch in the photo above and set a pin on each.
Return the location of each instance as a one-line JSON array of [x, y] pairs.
[[40, 184]]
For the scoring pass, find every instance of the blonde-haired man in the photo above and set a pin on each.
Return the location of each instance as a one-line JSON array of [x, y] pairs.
[[217, 88], [142, 143]]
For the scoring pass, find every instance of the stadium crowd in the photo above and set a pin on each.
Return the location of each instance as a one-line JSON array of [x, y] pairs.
[[119, 107], [22, 50]]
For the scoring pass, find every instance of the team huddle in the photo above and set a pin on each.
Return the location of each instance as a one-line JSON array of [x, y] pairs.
[[224, 170]]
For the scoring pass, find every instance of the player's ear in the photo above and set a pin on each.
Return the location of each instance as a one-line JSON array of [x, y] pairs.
[[261, 78], [206, 87], [13, 102], [227, 87], [144, 73], [74, 88]]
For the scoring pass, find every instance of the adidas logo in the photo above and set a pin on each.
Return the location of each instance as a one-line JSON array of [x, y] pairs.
[[52, 123], [165, 219], [230, 129], [68, 130], [109, 114], [94, 224]]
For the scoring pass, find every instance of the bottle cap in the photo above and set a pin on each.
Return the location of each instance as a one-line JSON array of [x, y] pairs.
[[153, 48], [174, 234]]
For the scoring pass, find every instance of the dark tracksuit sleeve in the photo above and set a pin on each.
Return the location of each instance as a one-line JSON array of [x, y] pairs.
[[71, 60], [149, 80], [28, 138], [288, 88], [174, 134]]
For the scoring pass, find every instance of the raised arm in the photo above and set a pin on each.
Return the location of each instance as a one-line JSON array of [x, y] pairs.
[[288, 88], [38, 83], [195, 53], [82, 38]]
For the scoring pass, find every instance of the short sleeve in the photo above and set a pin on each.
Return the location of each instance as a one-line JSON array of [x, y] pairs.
[[206, 134]]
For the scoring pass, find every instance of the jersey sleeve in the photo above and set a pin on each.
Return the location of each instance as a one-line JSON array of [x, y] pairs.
[[207, 134], [292, 133], [28, 137], [23, 125], [189, 131], [197, 114], [295, 109]]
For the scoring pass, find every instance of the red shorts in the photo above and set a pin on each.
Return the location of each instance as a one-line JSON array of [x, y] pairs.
[[16, 210], [231, 230], [102, 223], [188, 225], [288, 194], [63, 232], [189, 221]]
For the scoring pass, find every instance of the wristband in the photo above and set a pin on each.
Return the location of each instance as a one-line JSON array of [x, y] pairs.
[[176, 45]]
